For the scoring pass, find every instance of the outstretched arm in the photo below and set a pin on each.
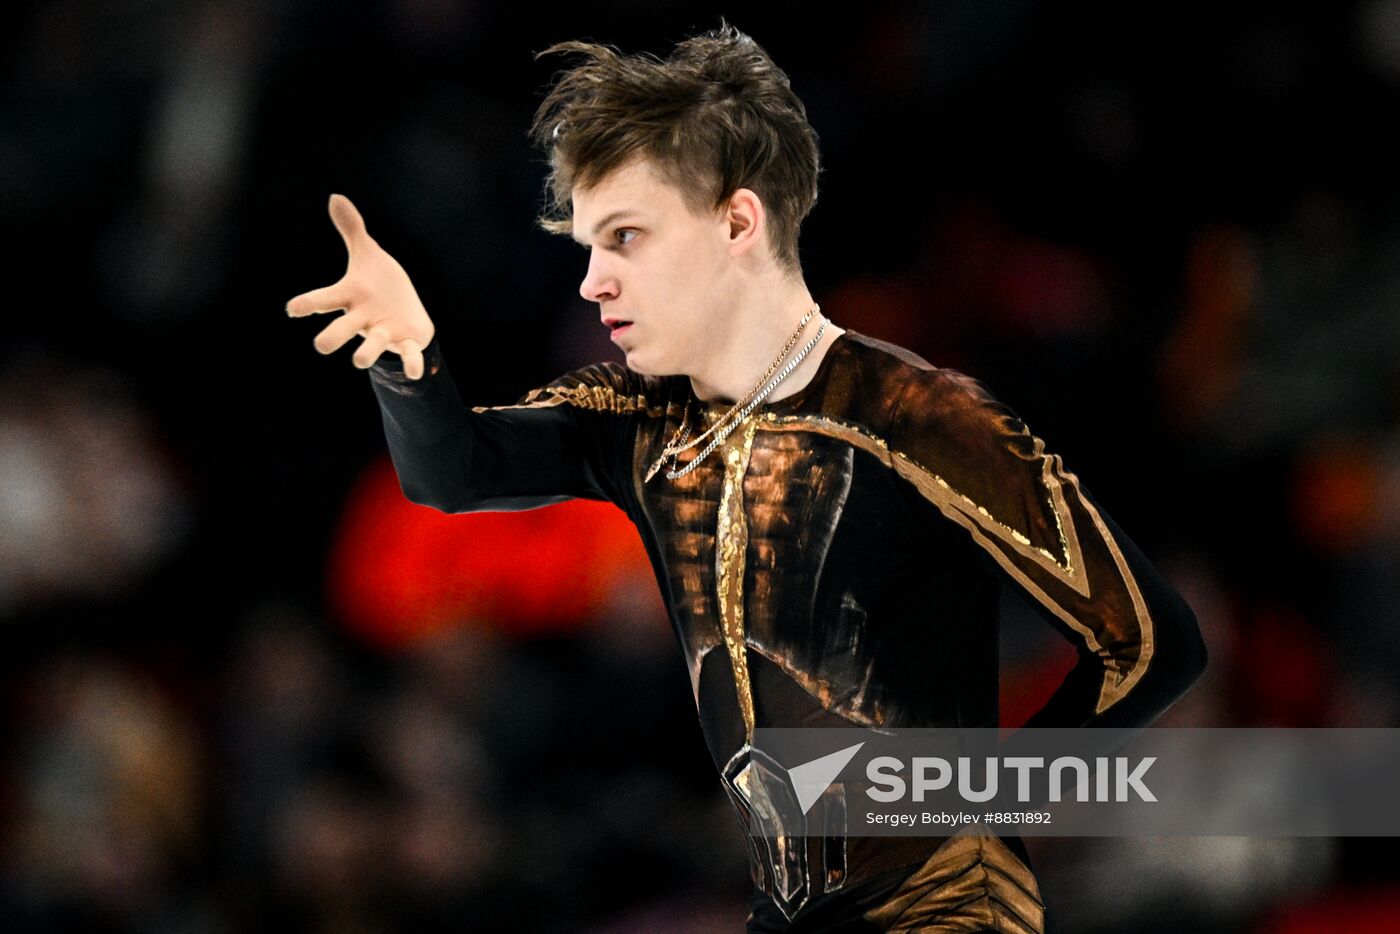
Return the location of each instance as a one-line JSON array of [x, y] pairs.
[[565, 440], [569, 439]]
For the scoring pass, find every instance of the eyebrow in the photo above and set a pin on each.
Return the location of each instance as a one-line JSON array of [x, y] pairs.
[[598, 227]]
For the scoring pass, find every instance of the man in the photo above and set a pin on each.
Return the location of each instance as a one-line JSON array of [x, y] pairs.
[[829, 516]]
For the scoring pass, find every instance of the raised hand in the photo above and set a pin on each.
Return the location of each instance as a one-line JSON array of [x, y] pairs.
[[377, 296]]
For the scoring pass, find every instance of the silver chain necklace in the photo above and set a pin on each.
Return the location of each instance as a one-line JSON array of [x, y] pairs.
[[677, 444]]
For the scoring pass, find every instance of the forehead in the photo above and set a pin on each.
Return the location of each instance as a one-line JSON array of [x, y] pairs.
[[634, 189]]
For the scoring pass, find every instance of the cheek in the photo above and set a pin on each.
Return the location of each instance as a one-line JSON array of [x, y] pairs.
[[695, 275]]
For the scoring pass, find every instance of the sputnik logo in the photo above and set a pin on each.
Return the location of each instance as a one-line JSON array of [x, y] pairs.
[[811, 779]]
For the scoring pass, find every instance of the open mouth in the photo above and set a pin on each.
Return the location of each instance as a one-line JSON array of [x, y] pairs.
[[619, 325]]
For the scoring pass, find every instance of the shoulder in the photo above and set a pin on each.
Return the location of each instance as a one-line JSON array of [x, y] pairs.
[[911, 394], [952, 404], [963, 449], [951, 423], [950, 435]]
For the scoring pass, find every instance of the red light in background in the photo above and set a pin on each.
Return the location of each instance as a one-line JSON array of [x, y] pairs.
[[398, 572]]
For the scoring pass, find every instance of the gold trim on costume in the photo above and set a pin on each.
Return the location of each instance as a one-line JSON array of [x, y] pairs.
[[937, 490], [971, 882], [730, 553], [584, 396], [980, 524]]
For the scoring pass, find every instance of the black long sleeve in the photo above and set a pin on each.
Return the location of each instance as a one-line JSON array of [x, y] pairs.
[[1179, 654], [536, 452]]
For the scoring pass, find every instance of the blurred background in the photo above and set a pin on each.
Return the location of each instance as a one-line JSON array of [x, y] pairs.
[[248, 687]]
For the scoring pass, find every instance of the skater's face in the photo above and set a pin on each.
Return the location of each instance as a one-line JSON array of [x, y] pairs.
[[671, 273]]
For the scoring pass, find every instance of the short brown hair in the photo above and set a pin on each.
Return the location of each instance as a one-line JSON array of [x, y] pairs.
[[715, 116]]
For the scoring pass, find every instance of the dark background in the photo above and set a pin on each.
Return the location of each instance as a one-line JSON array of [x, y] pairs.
[[1165, 234]]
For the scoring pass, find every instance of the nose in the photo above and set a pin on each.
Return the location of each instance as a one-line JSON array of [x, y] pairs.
[[599, 283]]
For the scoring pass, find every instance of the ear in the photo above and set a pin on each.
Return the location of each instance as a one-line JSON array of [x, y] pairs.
[[746, 221]]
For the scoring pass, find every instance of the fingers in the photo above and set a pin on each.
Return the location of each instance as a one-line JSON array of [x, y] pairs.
[[337, 333], [375, 341], [317, 301], [335, 297], [412, 356], [348, 221]]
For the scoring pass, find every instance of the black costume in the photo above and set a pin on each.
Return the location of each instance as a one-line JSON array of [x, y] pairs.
[[835, 562]]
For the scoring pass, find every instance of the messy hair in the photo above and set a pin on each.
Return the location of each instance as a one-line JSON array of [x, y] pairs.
[[715, 116]]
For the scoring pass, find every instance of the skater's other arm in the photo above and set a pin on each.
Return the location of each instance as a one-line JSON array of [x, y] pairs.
[[969, 459]]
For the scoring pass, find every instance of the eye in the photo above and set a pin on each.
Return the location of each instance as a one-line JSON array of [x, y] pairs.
[[622, 230]]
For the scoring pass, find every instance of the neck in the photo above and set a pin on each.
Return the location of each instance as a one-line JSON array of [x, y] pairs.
[[753, 341]]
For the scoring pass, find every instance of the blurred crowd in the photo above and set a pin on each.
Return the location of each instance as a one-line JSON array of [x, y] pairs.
[[1168, 237]]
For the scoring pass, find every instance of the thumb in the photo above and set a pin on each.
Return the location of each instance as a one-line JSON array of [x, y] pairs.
[[348, 222]]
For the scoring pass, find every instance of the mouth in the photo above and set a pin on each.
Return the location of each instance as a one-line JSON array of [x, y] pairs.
[[618, 327]]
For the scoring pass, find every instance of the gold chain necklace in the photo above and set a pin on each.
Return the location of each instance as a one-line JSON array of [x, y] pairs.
[[677, 445]]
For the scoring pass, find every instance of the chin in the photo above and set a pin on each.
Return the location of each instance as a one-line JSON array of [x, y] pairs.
[[645, 361], [638, 363]]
